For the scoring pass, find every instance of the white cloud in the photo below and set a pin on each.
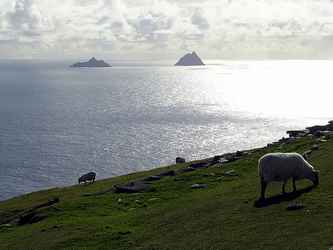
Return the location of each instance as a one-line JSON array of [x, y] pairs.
[[128, 28]]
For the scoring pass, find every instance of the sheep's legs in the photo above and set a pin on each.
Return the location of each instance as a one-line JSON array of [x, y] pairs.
[[294, 184], [263, 188], [284, 188]]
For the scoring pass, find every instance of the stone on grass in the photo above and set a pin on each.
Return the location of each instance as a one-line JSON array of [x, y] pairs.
[[133, 187], [294, 206], [167, 173], [180, 160], [152, 178], [198, 186], [230, 173]]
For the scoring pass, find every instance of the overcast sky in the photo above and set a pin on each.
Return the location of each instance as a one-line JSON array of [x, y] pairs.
[[166, 29]]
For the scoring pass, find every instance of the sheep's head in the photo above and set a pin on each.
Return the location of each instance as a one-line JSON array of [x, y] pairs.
[[314, 177]]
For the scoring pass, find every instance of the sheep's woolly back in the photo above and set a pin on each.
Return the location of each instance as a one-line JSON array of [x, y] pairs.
[[282, 166]]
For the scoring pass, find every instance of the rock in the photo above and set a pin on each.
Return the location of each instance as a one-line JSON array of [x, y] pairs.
[[186, 170], [200, 165], [92, 63], [294, 206], [218, 159], [298, 133], [133, 187], [167, 173], [198, 186], [6, 226], [154, 199], [190, 59], [325, 133], [30, 218], [180, 160], [315, 147], [209, 175], [152, 178], [230, 173], [239, 154], [315, 129]]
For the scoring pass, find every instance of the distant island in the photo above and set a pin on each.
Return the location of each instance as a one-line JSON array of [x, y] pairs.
[[190, 59], [92, 63]]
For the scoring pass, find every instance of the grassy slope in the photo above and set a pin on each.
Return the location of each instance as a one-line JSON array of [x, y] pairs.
[[223, 216]]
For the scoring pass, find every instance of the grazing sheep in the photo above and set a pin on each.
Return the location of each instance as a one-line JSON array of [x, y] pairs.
[[283, 166], [87, 177]]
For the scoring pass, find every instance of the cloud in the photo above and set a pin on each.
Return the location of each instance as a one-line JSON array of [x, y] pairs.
[[127, 28]]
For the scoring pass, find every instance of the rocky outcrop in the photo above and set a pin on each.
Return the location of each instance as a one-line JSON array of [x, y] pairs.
[[190, 59], [92, 63]]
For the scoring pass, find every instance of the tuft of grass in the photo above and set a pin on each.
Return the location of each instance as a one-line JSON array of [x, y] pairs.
[[221, 216]]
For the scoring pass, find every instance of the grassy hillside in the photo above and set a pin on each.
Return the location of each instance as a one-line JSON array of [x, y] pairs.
[[174, 216]]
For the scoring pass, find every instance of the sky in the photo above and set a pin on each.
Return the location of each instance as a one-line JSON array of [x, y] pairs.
[[166, 29]]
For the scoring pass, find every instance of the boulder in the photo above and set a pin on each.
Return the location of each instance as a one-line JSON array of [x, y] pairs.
[[133, 187], [152, 178], [199, 186], [200, 165], [167, 173], [298, 133], [180, 160]]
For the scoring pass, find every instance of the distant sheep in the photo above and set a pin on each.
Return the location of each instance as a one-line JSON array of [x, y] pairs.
[[283, 166], [87, 177]]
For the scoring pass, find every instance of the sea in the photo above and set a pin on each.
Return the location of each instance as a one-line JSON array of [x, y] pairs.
[[57, 122]]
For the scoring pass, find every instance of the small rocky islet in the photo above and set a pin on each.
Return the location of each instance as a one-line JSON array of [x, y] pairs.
[[190, 59], [92, 63]]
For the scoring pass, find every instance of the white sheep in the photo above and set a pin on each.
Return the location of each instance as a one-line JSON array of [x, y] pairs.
[[283, 166]]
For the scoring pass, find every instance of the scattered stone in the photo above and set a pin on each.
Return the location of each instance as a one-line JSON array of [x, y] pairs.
[[124, 232], [154, 199], [5, 226], [167, 173], [133, 187], [298, 133], [231, 157], [230, 173], [30, 218], [152, 178], [200, 165], [186, 170], [120, 200], [209, 175], [315, 147], [180, 160], [199, 186], [294, 206], [239, 154]]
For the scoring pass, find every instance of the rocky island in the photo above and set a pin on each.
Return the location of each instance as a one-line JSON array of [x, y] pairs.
[[190, 59], [92, 63]]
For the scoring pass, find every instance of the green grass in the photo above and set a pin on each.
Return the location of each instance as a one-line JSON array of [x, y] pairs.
[[222, 216]]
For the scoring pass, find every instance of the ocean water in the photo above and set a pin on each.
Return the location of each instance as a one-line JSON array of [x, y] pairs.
[[57, 123]]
